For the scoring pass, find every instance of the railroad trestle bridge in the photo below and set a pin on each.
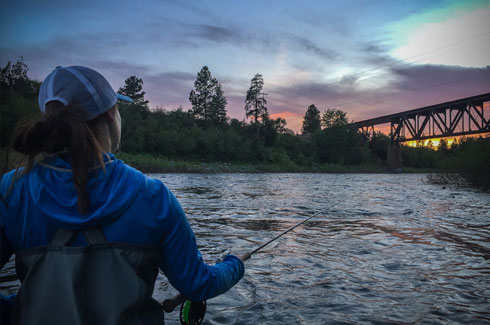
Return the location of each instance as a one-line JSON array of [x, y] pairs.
[[459, 117]]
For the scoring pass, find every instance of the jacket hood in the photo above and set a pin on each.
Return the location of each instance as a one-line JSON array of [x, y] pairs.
[[110, 193]]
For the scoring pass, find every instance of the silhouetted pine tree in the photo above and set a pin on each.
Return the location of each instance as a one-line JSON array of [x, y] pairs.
[[311, 121], [133, 87], [255, 103], [207, 98]]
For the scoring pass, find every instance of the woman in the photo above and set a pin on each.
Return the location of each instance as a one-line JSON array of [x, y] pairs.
[[88, 231]]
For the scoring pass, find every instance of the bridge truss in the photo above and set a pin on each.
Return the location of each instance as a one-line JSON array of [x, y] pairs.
[[459, 117]]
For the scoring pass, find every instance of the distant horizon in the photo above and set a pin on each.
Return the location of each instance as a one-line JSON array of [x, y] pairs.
[[366, 59]]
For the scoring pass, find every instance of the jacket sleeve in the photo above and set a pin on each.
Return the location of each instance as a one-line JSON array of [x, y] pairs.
[[183, 264]]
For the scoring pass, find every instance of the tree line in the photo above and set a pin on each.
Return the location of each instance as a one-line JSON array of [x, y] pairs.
[[206, 133]]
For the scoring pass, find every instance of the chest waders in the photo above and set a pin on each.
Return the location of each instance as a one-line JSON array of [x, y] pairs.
[[101, 283]]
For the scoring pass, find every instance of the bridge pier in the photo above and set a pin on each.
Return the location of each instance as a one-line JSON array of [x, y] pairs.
[[394, 157]]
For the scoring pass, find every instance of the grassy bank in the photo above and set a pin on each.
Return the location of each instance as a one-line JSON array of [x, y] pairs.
[[156, 164]]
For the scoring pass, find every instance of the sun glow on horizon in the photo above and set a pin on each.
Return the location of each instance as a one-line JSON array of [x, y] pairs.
[[431, 143], [436, 142], [294, 121]]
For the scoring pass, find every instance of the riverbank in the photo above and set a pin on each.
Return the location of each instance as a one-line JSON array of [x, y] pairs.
[[148, 163], [156, 164]]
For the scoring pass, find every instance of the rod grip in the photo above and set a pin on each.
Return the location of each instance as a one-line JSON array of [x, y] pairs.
[[170, 304], [245, 256]]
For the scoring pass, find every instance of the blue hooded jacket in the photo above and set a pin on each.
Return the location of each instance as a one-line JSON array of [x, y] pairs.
[[129, 207]]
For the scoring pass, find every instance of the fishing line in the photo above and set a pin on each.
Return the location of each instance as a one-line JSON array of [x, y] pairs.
[[291, 229]]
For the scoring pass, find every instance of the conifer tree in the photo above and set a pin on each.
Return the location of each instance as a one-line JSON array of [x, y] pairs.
[[311, 121], [133, 87], [207, 98], [218, 106], [255, 102]]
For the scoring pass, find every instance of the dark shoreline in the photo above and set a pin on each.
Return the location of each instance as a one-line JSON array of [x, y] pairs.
[[154, 164]]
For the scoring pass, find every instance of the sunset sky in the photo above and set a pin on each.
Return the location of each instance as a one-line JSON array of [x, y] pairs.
[[368, 58]]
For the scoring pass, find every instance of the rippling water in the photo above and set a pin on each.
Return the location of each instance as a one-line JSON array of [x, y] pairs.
[[382, 249]]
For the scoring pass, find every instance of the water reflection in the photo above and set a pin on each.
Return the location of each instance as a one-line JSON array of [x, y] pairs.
[[392, 250]]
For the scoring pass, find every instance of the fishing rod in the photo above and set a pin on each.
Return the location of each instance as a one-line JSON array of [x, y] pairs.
[[192, 312]]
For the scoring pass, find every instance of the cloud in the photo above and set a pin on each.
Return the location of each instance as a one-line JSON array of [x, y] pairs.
[[412, 87], [200, 35], [83, 49], [284, 115], [454, 35], [184, 34], [332, 56], [169, 89], [310, 47], [326, 19], [218, 34], [421, 77]]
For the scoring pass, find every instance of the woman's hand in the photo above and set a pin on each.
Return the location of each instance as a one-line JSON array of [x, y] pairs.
[[245, 256]]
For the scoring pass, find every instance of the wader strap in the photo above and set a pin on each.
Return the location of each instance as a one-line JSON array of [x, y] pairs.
[[94, 236], [63, 237]]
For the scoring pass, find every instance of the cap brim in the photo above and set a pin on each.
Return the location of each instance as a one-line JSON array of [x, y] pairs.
[[125, 98]]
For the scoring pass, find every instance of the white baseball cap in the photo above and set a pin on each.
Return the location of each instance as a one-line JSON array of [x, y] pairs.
[[79, 85]]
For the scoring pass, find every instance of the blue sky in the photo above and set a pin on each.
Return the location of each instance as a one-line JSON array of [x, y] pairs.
[[368, 58]]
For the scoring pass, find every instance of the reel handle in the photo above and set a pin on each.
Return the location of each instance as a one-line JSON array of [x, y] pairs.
[[170, 304]]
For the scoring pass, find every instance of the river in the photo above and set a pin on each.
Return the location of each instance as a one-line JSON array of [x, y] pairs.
[[382, 248]]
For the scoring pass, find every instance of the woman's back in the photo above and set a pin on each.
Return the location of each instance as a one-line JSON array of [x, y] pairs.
[[80, 188]]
